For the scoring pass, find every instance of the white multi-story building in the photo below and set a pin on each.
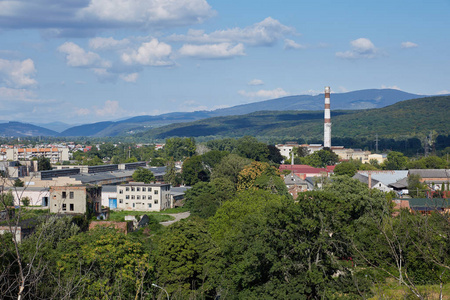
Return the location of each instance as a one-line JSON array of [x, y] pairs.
[[54, 154], [143, 197]]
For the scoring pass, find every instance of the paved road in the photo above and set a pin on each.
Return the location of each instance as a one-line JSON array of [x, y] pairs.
[[177, 217]]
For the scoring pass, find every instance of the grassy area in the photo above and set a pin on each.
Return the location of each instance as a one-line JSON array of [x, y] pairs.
[[175, 210], [120, 215], [391, 290]]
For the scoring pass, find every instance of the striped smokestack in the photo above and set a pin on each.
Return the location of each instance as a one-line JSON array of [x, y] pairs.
[[327, 120]]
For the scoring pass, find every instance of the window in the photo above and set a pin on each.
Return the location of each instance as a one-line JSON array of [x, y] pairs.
[[71, 195], [134, 205], [149, 189], [120, 191], [120, 201], [156, 192], [143, 197], [144, 189], [127, 197], [71, 207], [64, 207], [138, 197], [149, 197], [138, 189], [149, 205], [132, 189], [127, 189], [64, 195], [156, 201], [132, 196]]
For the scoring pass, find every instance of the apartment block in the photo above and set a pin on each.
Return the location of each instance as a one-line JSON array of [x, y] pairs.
[[143, 197]]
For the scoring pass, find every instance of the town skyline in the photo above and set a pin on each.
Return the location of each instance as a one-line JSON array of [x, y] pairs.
[[90, 61]]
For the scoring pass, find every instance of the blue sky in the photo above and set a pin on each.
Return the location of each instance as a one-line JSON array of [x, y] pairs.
[[79, 61]]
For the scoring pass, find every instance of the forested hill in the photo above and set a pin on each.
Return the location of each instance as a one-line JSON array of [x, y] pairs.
[[410, 118], [24, 129], [362, 99]]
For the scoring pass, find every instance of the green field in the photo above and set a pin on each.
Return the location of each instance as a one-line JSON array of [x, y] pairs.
[[391, 290], [120, 215]]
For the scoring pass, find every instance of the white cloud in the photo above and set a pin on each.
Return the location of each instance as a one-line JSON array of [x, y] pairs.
[[255, 82], [78, 57], [129, 77], [393, 87], [269, 94], [342, 89], [22, 95], [213, 51], [409, 45], [361, 48], [443, 92], [290, 44], [148, 12], [82, 111], [65, 17], [16, 73], [153, 53], [111, 108], [264, 33], [100, 43]]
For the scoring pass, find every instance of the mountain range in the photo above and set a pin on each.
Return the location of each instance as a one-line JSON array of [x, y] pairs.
[[356, 100]]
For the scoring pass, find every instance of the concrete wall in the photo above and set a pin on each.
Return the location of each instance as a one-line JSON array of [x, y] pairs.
[[75, 204]]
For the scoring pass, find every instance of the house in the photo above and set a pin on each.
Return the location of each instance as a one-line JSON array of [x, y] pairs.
[[177, 195], [286, 149], [296, 185], [304, 171], [433, 178], [144, 197], [79, 199], [428, 205], [381, 180], [36, 195]]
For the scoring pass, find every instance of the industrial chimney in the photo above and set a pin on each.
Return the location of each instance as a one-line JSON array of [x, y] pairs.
[[327, 120]]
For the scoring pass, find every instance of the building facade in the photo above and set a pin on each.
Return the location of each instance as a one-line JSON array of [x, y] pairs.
[[75, 199], [54, 154], [143, 197]]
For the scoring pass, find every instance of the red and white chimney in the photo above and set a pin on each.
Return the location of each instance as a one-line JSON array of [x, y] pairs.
[[327, 120]]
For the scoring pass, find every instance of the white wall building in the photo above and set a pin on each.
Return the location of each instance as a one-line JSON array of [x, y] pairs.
[[143, 197]]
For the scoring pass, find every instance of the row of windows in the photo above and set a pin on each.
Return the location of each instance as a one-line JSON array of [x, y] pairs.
[[138, 197], [64, 195], [138, 190], [134, 204], [71, 207]]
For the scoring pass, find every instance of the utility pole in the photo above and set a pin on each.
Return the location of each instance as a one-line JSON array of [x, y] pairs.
[[376, 143]]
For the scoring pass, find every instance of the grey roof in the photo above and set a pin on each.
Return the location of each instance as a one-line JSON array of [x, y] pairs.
[[180, 189], [109, 188], [28, 189], [293, 179], [143, 184], [386, 177], [401, 184], [103, 176], [365, 179], [431, 173]]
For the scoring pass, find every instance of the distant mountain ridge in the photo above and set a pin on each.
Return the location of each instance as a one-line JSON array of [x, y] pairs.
[[17, 129], [409, 118], [363, 99]]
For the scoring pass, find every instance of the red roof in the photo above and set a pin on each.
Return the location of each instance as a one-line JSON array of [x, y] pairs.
[[303, 169]]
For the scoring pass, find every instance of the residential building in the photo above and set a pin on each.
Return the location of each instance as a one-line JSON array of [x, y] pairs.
[[433, 178], [144, 197], [55, 154], [76, 199], [381, 180], [286, 149]]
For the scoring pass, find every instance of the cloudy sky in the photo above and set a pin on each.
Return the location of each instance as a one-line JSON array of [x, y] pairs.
[[79, 61]]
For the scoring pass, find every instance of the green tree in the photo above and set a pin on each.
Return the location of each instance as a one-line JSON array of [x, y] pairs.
[[274, 154], [204, 198], [25, 201], [229, 167], [6, 199], [182, 258], [143, 175], [321, 158], [193, 170], [18, 183], [416, 187], [171, 174], [250, 147], [179, 148], [345, 168], [395, 161], [44, 164], [212, 158], [103, 263]]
